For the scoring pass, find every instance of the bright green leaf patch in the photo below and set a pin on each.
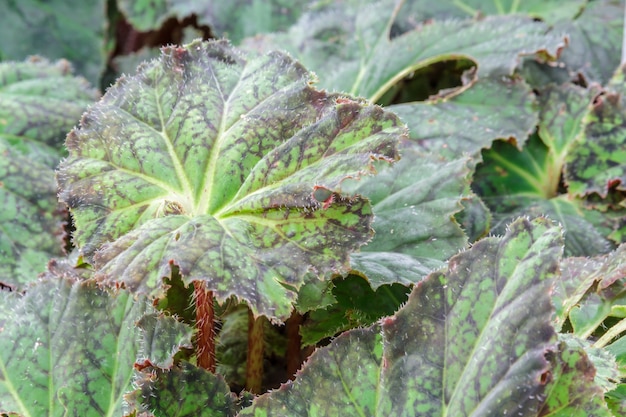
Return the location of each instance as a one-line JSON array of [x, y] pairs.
[[471, 340], [210, 160]]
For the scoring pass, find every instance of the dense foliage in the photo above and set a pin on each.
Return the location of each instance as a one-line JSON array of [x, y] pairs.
[[319, 208]]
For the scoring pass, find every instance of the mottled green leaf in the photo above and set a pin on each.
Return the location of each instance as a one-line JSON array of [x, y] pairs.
[[350, 43], [67, 348], [599, 158], [570, 389], [39, 104], [475, 218], [471, 340], [212, 162], [71, 29], [491, 108], [233, 19], [414, 202], [606, 375], [185, 391]]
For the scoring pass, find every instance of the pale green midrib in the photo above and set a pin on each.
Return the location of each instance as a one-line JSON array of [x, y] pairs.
[[202, 206], [180, 170], [346, 389], [11, 389], [112, 399], [531, 180]]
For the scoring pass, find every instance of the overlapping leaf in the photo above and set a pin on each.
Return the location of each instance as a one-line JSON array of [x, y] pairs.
[[471, 340], [231, 19], [229, 168], [599, 158], [67, 347], [184, 391], [414, 202], [39, 104], [572, 391], [71, 29], [350, 43], [471, 120]]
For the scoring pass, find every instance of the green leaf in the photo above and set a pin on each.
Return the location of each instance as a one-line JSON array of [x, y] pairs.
[[209, 160], [465, 123], [39, 103], [414, 202], [67, 347], [549, 11], [594, 37], [233, 19], [353, 308], [185, 391], [351, 44], [571, 391], [598, 160], [471, 340], [56, 29], [161, 337]]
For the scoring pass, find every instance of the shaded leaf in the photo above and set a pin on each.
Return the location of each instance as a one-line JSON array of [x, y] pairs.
[[234, 19], [67, 348], [571, 392], [185, 390], [56, 29], [39, 103], [353, 308], [415, 202], [209, 161], [161, 338], [599, 158], [350, 43], [491, 108], [471, 340]]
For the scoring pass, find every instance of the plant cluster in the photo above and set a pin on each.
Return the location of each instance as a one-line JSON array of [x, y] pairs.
[[396, 208]]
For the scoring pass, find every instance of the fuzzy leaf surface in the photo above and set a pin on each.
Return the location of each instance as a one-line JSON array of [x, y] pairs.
[[185, 390], [599, 158], [415, 202], [67, 347], [351, 44], [471, 340], [39, 104], [491, 108], [229, 168]]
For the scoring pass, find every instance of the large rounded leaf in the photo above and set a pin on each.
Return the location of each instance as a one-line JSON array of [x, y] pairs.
[[228, 167]]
